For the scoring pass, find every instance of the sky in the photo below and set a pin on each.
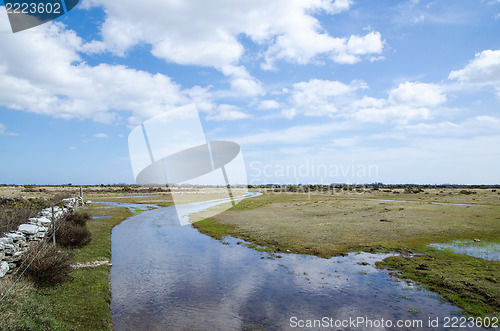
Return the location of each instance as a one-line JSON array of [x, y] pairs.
[[314, 91]]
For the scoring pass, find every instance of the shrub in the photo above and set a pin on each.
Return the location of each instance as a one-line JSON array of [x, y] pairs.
[[11, 219], [51, 266], [79, 219], [70, 234]]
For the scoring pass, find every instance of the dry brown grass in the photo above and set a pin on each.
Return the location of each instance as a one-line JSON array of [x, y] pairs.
[[329, 225]]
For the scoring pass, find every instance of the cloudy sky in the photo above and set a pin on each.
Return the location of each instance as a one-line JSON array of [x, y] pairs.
[[353, 91]]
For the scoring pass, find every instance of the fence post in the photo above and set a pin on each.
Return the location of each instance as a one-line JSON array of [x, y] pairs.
[[53, 226]]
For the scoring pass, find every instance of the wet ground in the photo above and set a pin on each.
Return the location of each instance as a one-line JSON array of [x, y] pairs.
[[170, 277], [484, 250]]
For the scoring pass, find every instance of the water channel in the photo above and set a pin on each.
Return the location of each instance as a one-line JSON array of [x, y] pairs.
[[170, 277]]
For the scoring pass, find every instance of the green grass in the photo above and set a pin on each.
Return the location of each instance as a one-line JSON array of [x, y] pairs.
[[80, 304], [468, 282]]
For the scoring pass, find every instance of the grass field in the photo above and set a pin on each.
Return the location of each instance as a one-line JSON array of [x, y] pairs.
[[339, 222], [79, 304], [323, 224]]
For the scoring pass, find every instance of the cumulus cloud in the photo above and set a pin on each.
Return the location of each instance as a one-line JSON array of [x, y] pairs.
[[228, 113], [318, 97], [268, 105], [205, 33], [43, 73], [407, 102], [484, 69], [417, 94], [100, 136]]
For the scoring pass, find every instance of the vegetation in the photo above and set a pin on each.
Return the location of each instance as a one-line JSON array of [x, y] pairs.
[[72, 232], [468, 282], [46, 265], [79, 304], [17, 211], [335, 224]]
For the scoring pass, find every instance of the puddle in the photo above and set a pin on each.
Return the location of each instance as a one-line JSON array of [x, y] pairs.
[[482, 249], [169, 277], [98, 218], [134, 207], [128, 197]]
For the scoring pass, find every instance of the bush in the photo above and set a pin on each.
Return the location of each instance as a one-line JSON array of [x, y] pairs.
[[50, 267], [11, 219], [71, 232], [79, 219]]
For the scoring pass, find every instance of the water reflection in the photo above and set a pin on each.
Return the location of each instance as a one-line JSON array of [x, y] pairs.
[[484, 250], [168, 277]]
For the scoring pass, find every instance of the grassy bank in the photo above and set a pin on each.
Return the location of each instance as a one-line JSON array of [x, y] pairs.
[[79, 304], [327, 225]]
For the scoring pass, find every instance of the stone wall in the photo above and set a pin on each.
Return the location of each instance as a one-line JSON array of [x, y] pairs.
[[15, 243]]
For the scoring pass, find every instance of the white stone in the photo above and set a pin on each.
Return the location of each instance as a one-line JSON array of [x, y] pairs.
[[28, 229], [16, 236], [9, 249], [16, 257], [6, 241], [4, 268], [43, 221]]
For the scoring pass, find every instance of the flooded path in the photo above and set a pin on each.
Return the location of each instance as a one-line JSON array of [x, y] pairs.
[[168, 277]]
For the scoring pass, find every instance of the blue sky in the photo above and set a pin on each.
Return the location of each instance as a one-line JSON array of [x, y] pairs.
[[314, 91]]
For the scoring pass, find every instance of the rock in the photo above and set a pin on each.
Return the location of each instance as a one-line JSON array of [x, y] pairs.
[[477, 240], [16, 257], [11, 267], [40, 235], [6, 241], [9, 249], [41, 221], [4, 268], [16, 236], [28, 229], [43, 229]]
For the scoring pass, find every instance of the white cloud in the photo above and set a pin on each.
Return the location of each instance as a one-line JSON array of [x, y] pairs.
[[268, 105], [319, 97], [369, 44], [228, 113], [100, 136], [247, 86], [484, 69], [407, 102], [284, 29], [417, 95], [476, 126], [72, 148], [4, 132], [41, 72]]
